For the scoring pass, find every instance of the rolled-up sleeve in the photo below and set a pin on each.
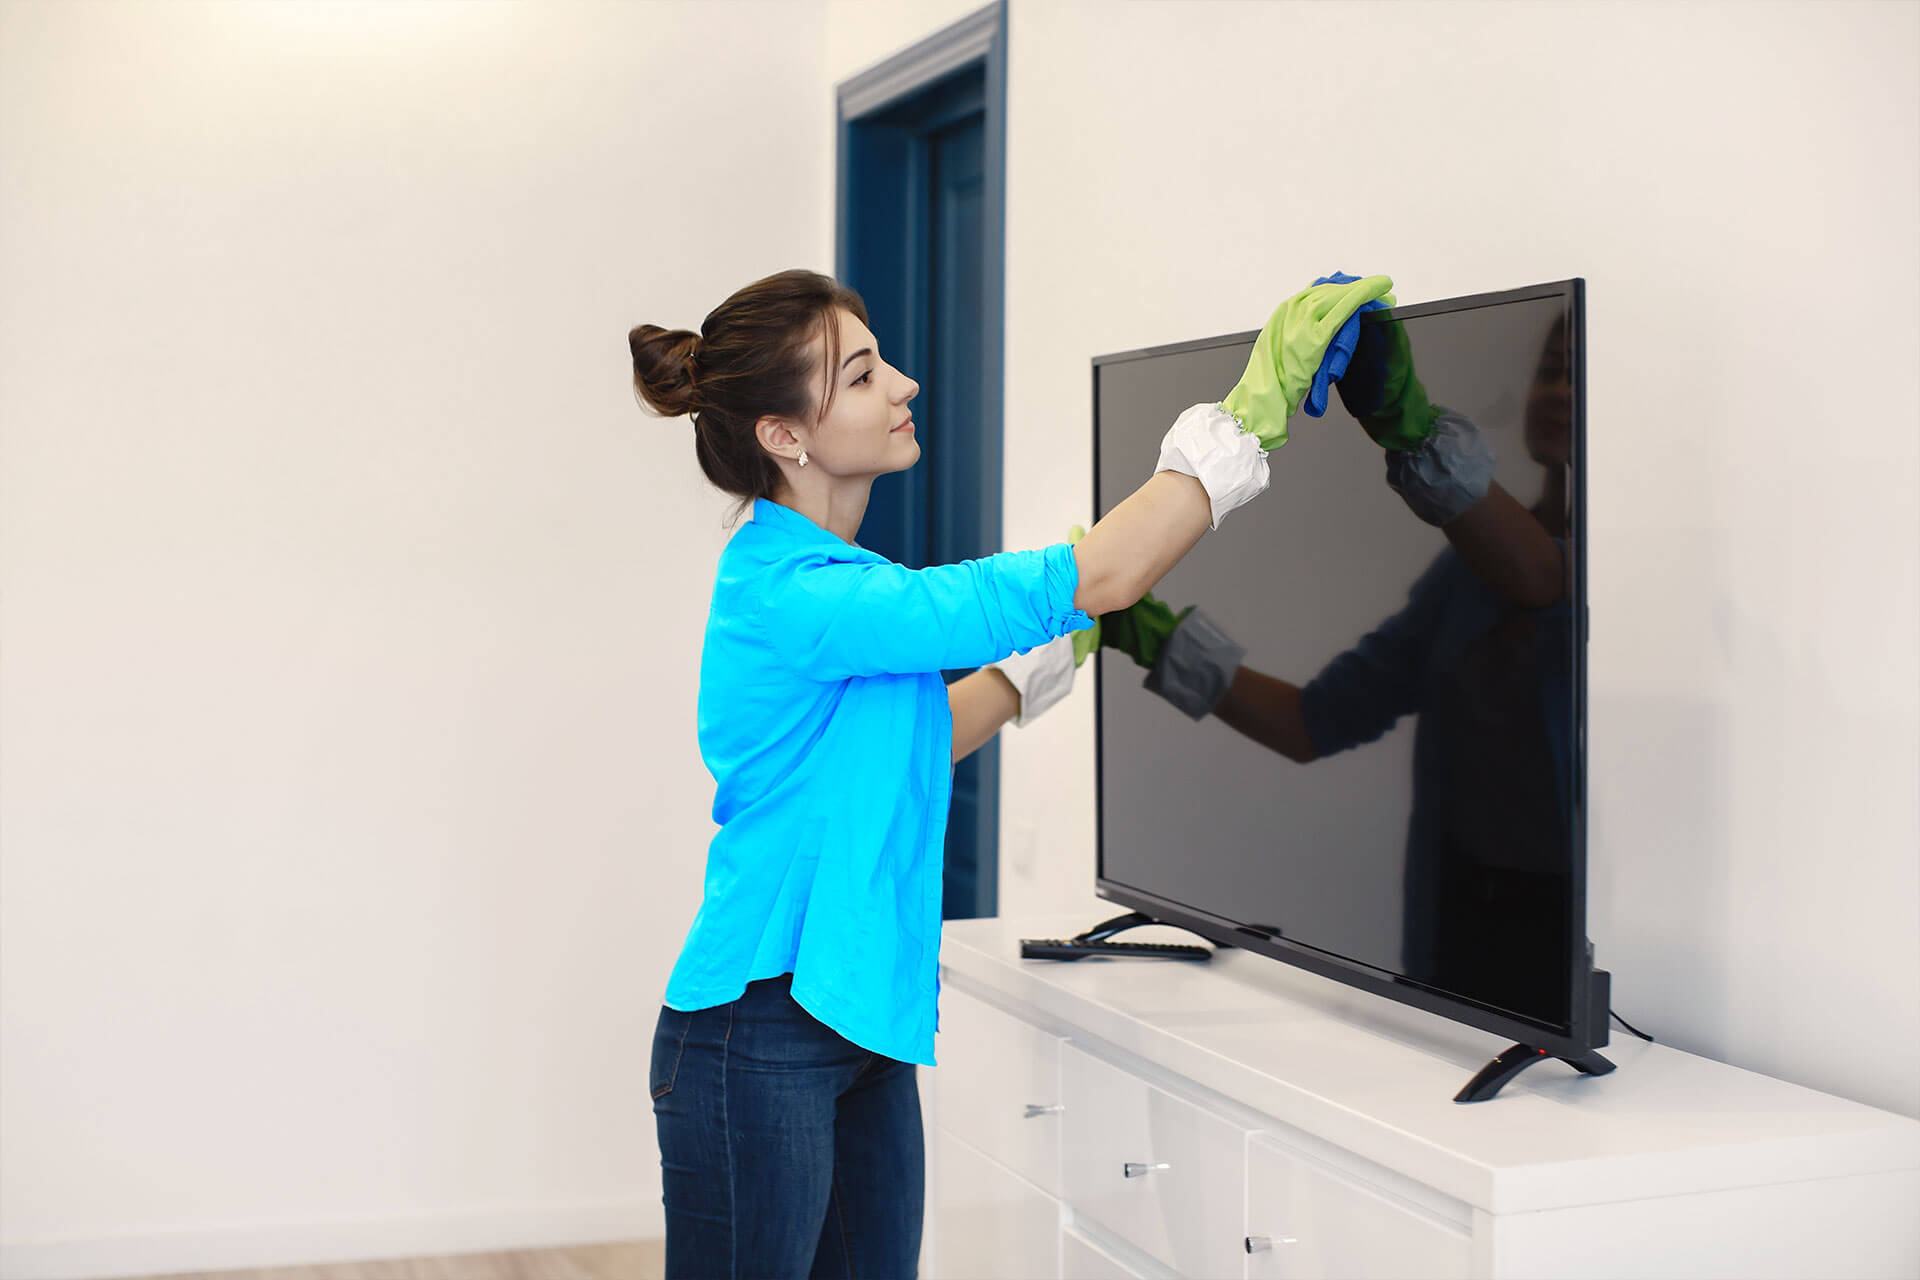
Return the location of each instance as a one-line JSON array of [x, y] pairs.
[[835, 619]]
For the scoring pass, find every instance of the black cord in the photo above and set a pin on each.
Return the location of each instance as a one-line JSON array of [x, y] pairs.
[[1629, 1026]]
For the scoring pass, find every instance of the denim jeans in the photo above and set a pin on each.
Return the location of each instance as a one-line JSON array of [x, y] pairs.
[[786, 1150]]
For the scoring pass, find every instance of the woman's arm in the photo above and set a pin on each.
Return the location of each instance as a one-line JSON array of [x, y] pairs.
[[1213, 458], [1140, 540], [982, 703]]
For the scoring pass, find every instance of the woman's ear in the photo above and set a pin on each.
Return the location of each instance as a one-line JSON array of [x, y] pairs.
[[776, 436]]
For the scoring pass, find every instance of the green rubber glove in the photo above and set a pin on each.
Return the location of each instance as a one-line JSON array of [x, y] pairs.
[[1084, 642], [1288, 353], [1140, 631], [1382, 392]]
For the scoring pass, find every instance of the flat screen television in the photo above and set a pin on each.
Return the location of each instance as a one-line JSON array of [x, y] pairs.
[[1428, 841]]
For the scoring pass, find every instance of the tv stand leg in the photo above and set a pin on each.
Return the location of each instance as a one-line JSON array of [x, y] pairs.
[[1107, 928], [1517, 1059]]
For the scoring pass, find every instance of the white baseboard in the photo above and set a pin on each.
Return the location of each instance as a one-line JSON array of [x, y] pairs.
[[221, 1248]]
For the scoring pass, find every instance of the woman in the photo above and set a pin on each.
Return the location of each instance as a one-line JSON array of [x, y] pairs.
[[782, 1071]]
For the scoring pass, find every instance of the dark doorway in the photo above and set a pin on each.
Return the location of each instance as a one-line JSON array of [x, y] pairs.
[[920, 229]]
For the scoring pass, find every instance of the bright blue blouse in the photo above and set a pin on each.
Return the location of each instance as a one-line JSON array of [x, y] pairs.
[[825, 723]]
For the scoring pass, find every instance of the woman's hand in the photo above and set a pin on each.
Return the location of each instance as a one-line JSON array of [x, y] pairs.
[[1288, 353], [1224, 445]]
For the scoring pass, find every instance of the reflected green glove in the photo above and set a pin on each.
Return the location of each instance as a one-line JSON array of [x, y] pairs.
[[1084, 642], [1140, 631], [1382, 392], [1289, 350]]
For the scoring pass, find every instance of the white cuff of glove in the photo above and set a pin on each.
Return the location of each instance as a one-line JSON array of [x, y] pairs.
[[1196, 665], [1206, 442], [1043, 675], [1448, 473]]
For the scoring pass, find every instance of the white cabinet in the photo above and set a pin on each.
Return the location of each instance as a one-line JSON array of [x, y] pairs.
[[1245, 1120], [1084, 1259], [1306, 1221], [1151, 1168], [998, 1086], [991, 1222]]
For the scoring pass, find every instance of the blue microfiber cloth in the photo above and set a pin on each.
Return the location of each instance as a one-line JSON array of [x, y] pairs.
[[1339, 351]]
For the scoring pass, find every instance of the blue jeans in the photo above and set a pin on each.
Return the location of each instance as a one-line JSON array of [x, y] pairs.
[[786, 1150]]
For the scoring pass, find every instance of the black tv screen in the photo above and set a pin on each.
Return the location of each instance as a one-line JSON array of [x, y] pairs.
[[1430, 843]]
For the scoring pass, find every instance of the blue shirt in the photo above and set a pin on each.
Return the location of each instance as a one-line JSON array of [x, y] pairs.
[[824, 720]]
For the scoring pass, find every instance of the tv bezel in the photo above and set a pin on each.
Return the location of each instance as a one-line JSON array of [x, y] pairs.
[[1587, 1025]]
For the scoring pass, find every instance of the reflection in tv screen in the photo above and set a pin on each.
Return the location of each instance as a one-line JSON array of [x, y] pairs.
[[1391, 773]]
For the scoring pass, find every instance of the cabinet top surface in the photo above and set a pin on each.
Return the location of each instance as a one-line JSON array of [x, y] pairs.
[[1378, 1077]]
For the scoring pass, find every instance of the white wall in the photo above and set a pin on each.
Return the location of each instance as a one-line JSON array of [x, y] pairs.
[[350, 813], [1740, 186], [350, 808]]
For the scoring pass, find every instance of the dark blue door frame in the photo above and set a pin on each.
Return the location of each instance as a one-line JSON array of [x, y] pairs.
[[920, 234]]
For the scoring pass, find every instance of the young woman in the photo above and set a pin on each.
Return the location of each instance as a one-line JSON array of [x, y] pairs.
[[806, 991]]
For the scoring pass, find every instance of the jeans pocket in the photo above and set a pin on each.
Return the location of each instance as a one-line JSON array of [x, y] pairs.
[[669, 1041]]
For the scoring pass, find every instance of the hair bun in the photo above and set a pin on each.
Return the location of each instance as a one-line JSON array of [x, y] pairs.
[[664, 370]]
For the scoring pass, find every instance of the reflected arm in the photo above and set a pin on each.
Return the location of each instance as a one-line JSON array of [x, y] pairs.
[[1508, 550], [1267, 710]]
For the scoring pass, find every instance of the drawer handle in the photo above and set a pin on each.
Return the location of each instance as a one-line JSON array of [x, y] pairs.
[[1256, 1243], [1034, 1109], [1141, 1170]]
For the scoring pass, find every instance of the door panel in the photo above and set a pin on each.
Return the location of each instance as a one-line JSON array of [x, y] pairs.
[[916, 224]]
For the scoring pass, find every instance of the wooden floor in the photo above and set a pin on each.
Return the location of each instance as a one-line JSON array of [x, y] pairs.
[[632, 1260]]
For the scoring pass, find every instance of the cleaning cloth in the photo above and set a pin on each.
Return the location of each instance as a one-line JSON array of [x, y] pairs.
[[1339, 352]]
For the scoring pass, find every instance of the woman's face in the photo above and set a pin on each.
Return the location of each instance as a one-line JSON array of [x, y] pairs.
[[869, 431]]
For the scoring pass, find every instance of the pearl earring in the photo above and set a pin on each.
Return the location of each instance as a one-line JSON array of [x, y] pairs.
[[803, 457]]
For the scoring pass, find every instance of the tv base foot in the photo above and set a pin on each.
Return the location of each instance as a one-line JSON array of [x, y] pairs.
[[1517, 1059], [1098, 941]]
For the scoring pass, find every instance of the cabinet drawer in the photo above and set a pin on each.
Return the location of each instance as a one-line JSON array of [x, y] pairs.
[[991, 1223], [1082, 1259], [1187, 1214], [1324, 1225], [998, 1086]]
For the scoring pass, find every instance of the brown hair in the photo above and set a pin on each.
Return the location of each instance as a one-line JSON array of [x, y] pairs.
[[752, 357]]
